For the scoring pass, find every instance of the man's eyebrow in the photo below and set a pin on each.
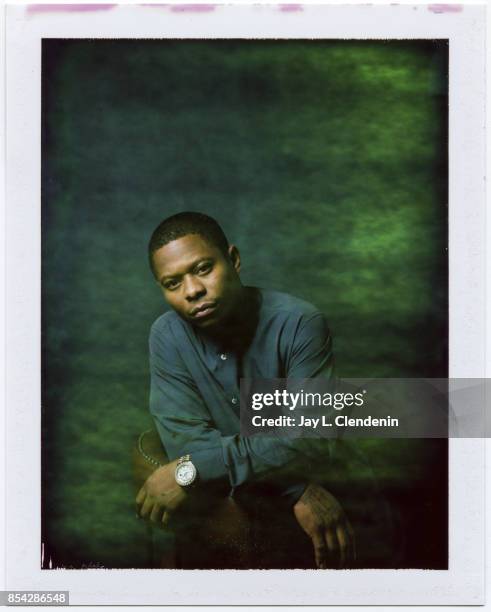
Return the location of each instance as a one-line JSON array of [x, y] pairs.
[[191, 266]]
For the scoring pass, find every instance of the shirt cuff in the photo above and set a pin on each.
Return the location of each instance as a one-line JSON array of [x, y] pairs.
[[294, 492], [209, 464]]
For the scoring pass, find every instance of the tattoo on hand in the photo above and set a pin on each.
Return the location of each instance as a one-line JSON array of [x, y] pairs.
[[322, 504]]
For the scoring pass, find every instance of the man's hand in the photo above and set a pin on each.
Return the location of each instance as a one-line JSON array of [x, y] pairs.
[[321, 517], [160, 495]]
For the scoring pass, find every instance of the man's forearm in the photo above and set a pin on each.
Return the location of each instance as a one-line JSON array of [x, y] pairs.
[[237, 460]]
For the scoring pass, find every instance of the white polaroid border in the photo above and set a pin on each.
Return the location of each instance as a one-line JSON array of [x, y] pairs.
[[26, 26]]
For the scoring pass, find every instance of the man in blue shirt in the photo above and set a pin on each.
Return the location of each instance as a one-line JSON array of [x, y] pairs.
[[218, 332]]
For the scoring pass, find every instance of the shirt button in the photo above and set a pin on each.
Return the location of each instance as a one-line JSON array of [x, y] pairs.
[[223, 356], [234, 400]]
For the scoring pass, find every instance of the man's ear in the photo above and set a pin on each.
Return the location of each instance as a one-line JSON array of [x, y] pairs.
[[234, 255]]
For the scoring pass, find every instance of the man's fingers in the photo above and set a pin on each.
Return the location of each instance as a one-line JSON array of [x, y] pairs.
[[320, 550], [156, 513], [165, 518], [332, 544], [146, 507], [141, 495], [343, 539]]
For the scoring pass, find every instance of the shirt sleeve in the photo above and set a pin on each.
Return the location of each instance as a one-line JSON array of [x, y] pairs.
[[311, 356], [311, 353], [186, 427]]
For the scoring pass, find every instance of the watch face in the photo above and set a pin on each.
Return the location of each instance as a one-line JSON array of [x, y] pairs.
[[185, 473]]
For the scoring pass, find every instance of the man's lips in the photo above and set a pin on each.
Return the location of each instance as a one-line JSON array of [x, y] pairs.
[[203, 310]]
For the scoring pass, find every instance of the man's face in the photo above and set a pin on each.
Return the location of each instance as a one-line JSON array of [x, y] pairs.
[[197, 280]]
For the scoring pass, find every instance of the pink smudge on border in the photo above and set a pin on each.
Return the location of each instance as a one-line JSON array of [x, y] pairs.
[[290, 8], [68, 8], [445, 8], [192, 8]]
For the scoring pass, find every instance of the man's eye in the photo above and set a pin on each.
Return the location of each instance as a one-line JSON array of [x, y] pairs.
[[205, 268], [172, 284]]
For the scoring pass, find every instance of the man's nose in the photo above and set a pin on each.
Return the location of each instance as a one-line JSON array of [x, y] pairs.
[[193, 288]]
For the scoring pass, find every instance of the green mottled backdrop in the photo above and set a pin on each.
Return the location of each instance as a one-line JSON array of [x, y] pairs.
[[324, 161]]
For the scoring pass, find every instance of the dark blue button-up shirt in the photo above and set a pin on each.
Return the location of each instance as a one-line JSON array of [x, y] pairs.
[[194, 395]]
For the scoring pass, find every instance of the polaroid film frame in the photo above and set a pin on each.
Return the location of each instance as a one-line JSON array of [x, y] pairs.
[[463, 583]]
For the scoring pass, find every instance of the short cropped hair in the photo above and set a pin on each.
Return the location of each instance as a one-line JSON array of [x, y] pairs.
[[185, 223]]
